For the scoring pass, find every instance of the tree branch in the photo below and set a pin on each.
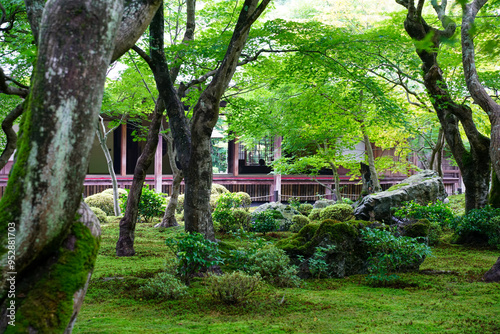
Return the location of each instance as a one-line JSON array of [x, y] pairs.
[[11, 135]]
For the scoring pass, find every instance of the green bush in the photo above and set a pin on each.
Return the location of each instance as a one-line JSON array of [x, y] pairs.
[[245, 199], [274, 266], [232, 288], [163, 286], [305, 209], [242, 218], [340, 212], [223, 212], [101, 215], [264, 222], [194, 253], [390, 254], [218, 189], [436, 213], [478, 226], [103, 201], [314, 215], [180, 204], [317, 264], [298, 223], [151, 204], [121, 191]]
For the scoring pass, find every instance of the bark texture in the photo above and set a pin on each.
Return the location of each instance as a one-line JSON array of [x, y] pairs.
[[474, 163], [125, 244], [45, 185]]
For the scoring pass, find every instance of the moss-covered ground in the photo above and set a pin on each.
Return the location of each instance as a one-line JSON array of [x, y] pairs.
[[445, 296]]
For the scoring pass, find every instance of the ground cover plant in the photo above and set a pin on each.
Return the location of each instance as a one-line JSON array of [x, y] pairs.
[[445, 295]]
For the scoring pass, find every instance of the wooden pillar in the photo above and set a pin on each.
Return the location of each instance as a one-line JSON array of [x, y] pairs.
[[123, 151], [236, 157], [159, 165], [277, 177]]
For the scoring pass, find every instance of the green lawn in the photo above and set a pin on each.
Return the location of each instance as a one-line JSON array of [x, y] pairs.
[[446, 296]]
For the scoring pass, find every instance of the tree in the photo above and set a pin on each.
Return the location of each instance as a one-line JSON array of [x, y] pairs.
[[474, 163], [55, 245]]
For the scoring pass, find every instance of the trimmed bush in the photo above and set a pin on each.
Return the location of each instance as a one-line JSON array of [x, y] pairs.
[[340, 212], [102, 201], [478, 226], [298, 223], [314, 215], [223, 212], [274, 266], [242, 218], [121, 191], [263, 222], [245, 199], [305, 209], [232, 288], [163, 286], [218, 189], [180, 204], [101, 215]]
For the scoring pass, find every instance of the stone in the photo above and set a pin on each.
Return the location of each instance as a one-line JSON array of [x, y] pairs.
[[493, 275], [422, 188], [323, 203], [286, 210]]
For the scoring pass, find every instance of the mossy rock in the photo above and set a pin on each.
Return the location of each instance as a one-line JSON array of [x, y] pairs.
[[397, 186], [418, 229], [314, 215], [299, 222], [305, 209]]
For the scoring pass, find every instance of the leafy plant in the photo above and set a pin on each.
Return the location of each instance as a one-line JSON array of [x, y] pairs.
[[299, 222], [273, 264], [240, 256], [390, 254], [151, 204], [232, 288], [194, 253], [163, 286], [264, 222], [294, 202], [479, 226], [223, 212], [434, 212], [317, 263]]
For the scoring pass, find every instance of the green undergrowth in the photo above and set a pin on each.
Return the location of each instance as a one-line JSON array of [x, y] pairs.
[[446, 295]]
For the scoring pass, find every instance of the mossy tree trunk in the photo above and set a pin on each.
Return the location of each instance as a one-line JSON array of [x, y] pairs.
[[474, 163], [54, 247]]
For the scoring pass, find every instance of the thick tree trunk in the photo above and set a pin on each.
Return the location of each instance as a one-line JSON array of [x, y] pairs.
[[475, 163], [336, 180], [103, 137], [125, 244], [53, 254], [437, 153], [371, 162]]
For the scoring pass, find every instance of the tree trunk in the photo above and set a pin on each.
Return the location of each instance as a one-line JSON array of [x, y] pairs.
[[437, 153], [125, 244], [371, 162], [336, 180], [103, 137], [177, 177], [10, 134], [54, 255], [474, 164]]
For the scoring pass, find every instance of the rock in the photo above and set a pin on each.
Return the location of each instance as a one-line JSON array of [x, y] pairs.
[[423, 188], [493, 275], [323, 203]]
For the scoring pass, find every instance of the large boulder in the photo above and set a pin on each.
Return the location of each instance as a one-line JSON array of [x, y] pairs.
[[493, 275], [323, 203], [422, 188], [287, 212]]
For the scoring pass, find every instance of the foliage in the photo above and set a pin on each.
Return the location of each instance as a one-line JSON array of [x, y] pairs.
[[101, 215], [163, 286], [434, 212], [274, 266], [103, 201], [317, 263], [245, 198], [340, 212], [194, 253], [264, 221], [305, 209], [294, 202], [151, 204], [223, 213], [232, 288], [315, 214], [299, 222], [390, 254], [479, 226], [241, 255]]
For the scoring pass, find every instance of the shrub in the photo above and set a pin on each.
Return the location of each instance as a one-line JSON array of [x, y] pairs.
[[305, 209], [274, 266], [437, 212], [194, 253], [478, 226], [340, 212], [101, 215], [232, 288], [314, 215], [180, 204], [223, 212], [317, 263], [390, 254], [121, 191], [102, 201], [163, 286], [218, 189], [150, 204], [294, 202], [245, 199], [264, 221], [298, 223], [242, 218]]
